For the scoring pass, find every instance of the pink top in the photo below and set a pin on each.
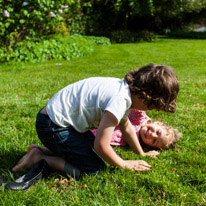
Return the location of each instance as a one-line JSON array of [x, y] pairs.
[[137, 118]]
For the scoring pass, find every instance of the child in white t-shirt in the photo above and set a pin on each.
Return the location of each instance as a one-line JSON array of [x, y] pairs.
[[63, 126]]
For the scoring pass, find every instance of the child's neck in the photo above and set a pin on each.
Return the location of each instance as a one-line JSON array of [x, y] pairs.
[[138, 103]]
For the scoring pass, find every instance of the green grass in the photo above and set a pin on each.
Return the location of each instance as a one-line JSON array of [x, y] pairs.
[[178, 176]]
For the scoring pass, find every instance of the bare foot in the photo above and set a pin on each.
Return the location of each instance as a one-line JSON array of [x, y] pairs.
[[44, 150], [32, 146], [28, 160]]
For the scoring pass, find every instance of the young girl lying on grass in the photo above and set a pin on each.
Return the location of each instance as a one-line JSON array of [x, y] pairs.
[[155, 135], [64, 125]]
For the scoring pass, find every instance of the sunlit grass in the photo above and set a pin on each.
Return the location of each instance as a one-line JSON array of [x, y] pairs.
[[177, 176]]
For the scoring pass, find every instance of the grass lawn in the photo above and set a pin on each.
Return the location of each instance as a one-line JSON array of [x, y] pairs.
[[178, 176]]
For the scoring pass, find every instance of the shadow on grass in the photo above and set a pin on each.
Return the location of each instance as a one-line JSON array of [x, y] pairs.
[[10, 159]]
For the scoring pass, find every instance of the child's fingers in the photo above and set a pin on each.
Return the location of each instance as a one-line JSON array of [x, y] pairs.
[[152, 153], [144, 164], [156, 152], [137, 165], [141, 166]]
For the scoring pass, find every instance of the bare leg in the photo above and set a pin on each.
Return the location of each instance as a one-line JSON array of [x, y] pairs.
[[34, 155], [44, 150]]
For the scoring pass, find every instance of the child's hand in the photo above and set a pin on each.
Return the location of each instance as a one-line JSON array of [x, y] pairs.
[[136, 165], [152, 153]]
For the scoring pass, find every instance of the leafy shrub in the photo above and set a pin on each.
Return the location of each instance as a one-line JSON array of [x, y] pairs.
[[51, 47], [34, 18], [126, 36], [188, 35], [98, 40]]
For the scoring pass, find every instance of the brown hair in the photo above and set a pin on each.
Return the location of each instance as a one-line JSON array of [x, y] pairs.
[[174, 134], [156, 84]]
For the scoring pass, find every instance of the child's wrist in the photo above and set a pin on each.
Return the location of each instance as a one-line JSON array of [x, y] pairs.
[[143, 154], [124, 164]]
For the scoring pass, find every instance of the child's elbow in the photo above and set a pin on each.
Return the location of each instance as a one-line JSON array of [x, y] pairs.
[[99, 149]]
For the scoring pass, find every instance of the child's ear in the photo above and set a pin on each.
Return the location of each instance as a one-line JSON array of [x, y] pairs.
[[158, 123]]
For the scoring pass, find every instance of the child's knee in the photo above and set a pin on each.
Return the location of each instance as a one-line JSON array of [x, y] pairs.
[[72, 170]]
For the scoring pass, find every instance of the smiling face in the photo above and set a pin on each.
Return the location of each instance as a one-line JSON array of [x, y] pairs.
[[155, 135]]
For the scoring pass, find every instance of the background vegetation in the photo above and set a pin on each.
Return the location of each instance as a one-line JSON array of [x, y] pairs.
[[178, 177], [30, 30], [56, 47], [38, 31], [160, 16], [33, 19]]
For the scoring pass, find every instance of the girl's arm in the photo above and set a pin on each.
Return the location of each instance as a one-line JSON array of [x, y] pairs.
[[130, 135], [103, 148]]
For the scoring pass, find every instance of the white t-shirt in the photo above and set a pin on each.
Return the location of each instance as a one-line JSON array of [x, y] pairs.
[[82, 104]]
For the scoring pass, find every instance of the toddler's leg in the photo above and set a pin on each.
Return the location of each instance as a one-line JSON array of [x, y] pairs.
[[28, 160], [54, 162], [34, 155], [72, 170], [44, 150]]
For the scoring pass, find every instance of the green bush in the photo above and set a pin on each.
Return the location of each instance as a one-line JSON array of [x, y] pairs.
[[34, 18], [188, 35], [98, 40], [126, 36], [52, 47]]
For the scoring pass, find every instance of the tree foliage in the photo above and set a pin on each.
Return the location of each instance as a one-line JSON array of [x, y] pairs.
[[32, 19], [175, 14], [105, 16]]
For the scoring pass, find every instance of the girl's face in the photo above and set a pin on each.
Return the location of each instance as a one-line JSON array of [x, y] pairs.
[[155, 135]]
